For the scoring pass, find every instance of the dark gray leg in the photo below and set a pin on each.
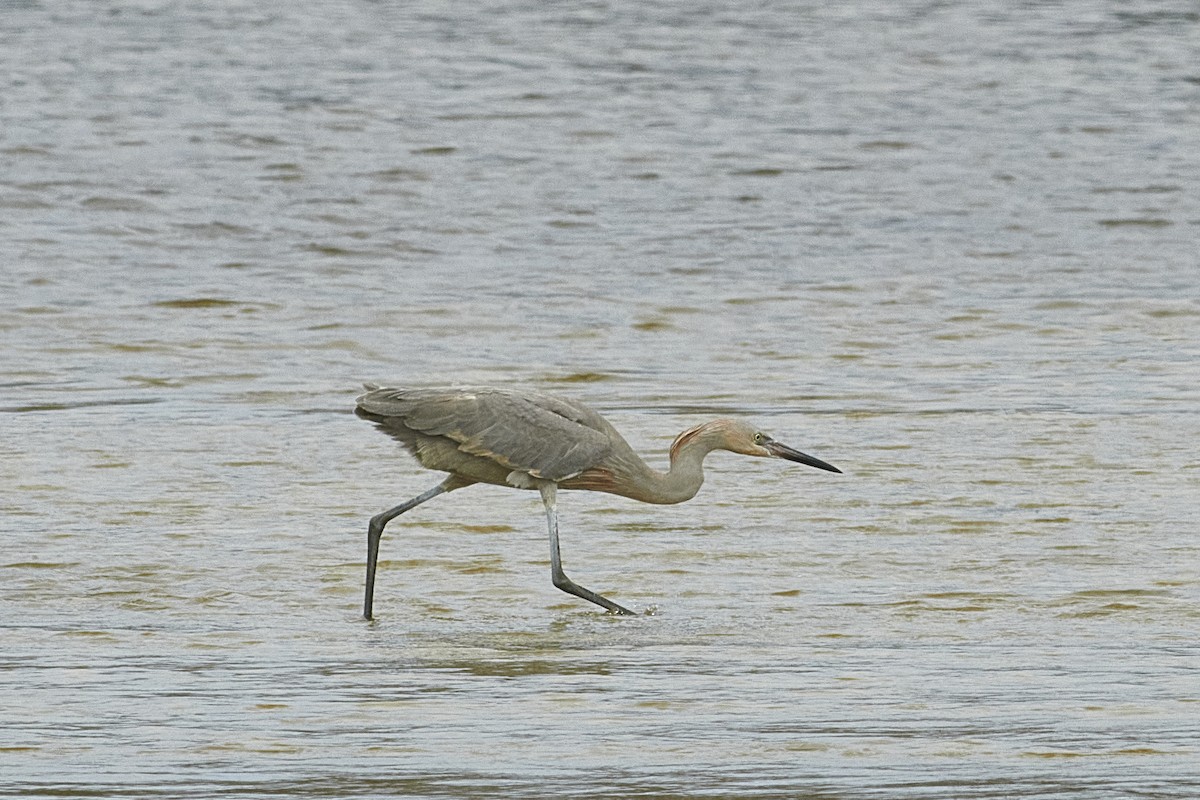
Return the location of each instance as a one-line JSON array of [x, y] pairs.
[[375, 531], [560, 579]]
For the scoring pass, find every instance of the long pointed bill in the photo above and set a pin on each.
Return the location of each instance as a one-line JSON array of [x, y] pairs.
[[783, 451]]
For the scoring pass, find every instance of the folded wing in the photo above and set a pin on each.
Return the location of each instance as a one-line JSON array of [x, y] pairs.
[[544, 436]]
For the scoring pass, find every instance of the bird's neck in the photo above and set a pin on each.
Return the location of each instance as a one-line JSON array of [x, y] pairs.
[[686, 475]]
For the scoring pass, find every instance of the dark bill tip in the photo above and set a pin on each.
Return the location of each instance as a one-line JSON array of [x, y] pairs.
[[783, 451]]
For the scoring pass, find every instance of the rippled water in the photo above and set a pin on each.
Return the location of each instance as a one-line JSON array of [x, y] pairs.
[[950, 248]]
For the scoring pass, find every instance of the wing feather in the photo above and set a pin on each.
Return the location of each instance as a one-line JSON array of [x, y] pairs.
[[544, 436]]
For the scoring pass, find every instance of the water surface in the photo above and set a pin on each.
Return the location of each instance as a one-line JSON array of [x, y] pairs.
[[947, 247]]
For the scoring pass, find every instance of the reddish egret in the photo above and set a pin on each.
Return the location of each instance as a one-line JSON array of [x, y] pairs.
[[526, 440]]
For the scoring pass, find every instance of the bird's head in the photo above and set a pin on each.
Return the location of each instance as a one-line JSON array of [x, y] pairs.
[[742, 438]]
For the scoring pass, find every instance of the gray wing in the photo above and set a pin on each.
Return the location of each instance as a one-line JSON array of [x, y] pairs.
[[544, 436]]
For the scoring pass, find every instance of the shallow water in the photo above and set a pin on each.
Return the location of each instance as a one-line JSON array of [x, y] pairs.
[[948, 248]]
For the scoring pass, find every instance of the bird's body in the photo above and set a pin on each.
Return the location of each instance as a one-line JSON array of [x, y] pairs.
[[528, 440]]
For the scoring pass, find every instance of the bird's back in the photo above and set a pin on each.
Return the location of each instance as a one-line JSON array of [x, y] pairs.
[[486, 434]]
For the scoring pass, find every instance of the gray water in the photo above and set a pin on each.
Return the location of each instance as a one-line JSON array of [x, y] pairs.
[[948, 247]]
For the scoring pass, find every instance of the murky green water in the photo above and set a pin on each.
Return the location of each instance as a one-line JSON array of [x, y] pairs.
[[948, 248]]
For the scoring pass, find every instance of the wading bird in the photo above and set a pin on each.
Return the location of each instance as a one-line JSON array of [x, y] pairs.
[[527, 440]]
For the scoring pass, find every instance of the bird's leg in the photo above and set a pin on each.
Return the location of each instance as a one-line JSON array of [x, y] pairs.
[[549, 492], [375, 531]]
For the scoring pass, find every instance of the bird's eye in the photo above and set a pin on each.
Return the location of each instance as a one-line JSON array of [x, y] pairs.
[[758, 438]]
